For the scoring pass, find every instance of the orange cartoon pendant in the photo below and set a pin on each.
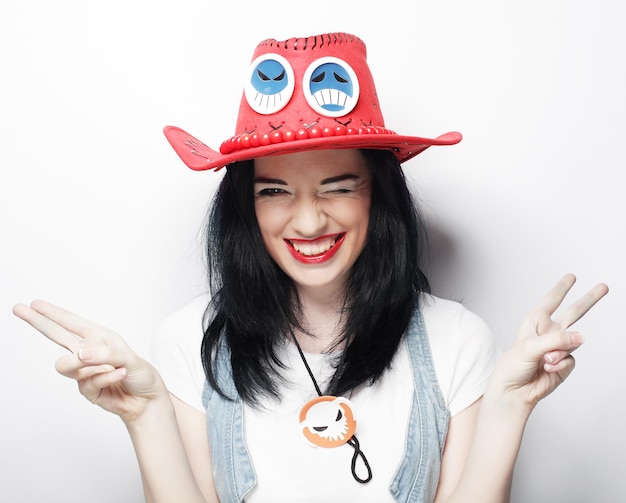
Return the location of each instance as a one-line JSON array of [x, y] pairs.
[[327, 421]]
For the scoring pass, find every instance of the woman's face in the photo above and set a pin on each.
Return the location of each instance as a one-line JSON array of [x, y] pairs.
[[313, 211]]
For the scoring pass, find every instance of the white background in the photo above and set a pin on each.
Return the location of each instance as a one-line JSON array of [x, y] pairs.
[[99, 215]]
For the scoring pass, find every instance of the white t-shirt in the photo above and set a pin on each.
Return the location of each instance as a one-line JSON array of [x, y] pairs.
[[463, 352], [462, 346]]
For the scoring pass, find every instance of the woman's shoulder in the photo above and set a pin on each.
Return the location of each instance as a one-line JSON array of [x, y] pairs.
[[190, 314], [463, 348], [176, 350], [182, 330], [450, 318]]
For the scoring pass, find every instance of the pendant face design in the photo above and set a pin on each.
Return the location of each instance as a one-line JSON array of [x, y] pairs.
[[327, 421]]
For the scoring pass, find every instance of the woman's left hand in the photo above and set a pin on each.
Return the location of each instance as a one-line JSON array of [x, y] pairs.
[[540, 358]]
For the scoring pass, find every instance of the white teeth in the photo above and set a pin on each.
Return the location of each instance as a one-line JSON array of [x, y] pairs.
[[310, 249]]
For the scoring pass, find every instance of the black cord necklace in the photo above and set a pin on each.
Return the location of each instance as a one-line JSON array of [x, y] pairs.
[[344, 417]]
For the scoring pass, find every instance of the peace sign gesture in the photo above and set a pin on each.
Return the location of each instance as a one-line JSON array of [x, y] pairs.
[[541, 356], [107, 371]]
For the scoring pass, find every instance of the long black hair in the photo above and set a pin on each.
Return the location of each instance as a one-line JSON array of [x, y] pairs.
[[252, 308]]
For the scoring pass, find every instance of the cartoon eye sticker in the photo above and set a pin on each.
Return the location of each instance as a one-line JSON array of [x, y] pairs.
[[327, 421], [331, 87], [270, 84]]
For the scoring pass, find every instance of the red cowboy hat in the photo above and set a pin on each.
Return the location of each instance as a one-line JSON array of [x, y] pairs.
[[305, 94]]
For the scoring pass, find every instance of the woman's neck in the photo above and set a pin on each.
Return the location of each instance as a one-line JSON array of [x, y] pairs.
[[322, 320]]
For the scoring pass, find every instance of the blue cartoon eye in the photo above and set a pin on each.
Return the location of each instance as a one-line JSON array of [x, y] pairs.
[[270, 84], [331, 87]]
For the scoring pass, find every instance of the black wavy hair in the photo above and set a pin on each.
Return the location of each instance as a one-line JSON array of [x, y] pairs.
[[253, 308]]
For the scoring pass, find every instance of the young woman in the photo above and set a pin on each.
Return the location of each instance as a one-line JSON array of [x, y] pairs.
[[319, 367]]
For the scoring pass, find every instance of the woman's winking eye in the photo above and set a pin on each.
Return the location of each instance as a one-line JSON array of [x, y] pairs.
[[342, 187]]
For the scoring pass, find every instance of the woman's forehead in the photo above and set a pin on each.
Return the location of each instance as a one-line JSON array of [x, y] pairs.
[[314, 165]]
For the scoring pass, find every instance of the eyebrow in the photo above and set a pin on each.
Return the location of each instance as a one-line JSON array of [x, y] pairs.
[[339, 178], [325, 181], [276, 181]]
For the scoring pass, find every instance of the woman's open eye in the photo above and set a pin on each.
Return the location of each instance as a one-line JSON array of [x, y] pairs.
[[271, 192]]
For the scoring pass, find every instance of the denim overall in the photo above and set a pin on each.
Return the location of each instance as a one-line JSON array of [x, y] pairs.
[[417, 476]]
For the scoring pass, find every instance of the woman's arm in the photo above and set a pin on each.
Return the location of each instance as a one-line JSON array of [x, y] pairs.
[[458, 442], [112, 376], [168, 473], [539, 360], [193, 429]]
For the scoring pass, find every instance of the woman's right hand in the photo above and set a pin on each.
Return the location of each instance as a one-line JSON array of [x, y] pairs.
[[108, 372]]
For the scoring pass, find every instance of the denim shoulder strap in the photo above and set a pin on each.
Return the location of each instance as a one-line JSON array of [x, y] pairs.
[[232, 467], [418, 474]]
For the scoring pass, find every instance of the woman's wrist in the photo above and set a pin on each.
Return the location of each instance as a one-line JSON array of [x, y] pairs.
[[158, 412], [505, 401], [155, 406]]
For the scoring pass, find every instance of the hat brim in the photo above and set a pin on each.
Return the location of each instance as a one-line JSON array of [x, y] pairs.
[[199, 157]]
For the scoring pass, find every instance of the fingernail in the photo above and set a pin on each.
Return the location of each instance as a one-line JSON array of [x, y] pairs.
[[549, 358], [577, 338], [85, 355]]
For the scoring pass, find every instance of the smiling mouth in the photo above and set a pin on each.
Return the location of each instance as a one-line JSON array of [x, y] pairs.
[[316, 251]]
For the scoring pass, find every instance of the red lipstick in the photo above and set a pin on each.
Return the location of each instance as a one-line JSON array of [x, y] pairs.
[[320, 257]]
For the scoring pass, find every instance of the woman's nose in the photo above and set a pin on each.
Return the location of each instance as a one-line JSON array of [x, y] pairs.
[[309, 218]]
